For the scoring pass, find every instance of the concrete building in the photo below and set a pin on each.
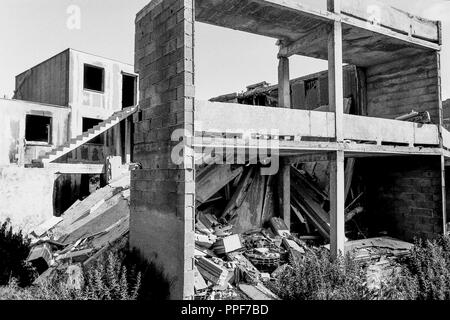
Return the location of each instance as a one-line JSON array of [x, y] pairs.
[[404, 162], [69, 114]]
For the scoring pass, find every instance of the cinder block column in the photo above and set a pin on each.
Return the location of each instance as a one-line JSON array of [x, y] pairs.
[[163, 192]]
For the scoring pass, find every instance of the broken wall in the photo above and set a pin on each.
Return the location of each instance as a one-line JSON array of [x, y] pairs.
[[163, 193], [404, 196], [400, 86]]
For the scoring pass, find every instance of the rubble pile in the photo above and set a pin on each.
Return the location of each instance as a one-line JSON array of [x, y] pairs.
[[85, 231], [241, 243]]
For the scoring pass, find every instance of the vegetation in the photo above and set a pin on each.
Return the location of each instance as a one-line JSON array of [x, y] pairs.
[[119, 274], [14, 249], [125, 275], [317, 277], [109, 279], [423, 275]]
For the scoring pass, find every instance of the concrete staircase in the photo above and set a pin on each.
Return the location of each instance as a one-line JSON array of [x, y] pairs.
[[78, 141]]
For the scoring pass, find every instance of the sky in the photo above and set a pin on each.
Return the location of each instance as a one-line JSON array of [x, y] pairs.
[[32, 31]]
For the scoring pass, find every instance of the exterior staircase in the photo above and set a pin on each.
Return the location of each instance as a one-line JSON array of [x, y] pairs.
[[78, 141]]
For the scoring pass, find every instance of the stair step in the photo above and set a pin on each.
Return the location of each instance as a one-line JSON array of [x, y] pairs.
[[74, 143]]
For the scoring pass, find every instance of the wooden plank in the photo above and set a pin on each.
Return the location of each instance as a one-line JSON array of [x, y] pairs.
[[313, 210], [284, 87], [348, 176], [337, 205], [268, 206], [249, 214], [239, 194], [214, 179], [286, 194], [318, 193], [279, 227]]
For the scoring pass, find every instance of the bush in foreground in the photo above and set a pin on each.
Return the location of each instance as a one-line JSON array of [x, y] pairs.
[[113, 277], [14, 249], [423, 275]]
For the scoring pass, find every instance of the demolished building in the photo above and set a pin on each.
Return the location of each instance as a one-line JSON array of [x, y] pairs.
[[227, 190], [394, 139]]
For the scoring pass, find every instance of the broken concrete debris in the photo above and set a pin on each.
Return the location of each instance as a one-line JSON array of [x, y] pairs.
[[241, 246], [230, 262], [85, 231]]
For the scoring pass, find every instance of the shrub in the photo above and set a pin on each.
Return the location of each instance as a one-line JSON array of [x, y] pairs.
[[115, 276], [423, 275], [111, 280], [154, 284], [317, 277], [429, 268], [14, 249]]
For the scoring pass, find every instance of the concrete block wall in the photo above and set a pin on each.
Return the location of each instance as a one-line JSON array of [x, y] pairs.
[[163, 193], [398, 87], [404, 196]]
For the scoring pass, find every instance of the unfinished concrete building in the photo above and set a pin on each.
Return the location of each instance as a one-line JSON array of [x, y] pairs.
[[69, 114], [402, 164]]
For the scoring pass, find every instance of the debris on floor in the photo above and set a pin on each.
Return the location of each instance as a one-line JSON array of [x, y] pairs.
[[242, 244], [84, 232]]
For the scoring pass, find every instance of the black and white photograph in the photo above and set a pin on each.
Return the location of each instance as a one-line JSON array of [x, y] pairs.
[[231, 155]]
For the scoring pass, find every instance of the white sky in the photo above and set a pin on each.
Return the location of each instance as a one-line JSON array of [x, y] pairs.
[[226, 60]]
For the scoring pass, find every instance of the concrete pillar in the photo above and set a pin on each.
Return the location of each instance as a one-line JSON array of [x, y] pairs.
[[337, 204], [284, 86], [335, 71], [163, 192]]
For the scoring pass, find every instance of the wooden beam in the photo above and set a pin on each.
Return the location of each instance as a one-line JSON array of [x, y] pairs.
[[76, 168], [335, 72], [284, 86], [337, 205], [349, 175]]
